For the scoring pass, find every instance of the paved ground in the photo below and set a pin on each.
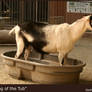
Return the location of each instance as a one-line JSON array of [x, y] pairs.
[[82, 51]]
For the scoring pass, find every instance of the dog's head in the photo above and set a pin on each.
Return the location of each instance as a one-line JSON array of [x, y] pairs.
[[88, 22]]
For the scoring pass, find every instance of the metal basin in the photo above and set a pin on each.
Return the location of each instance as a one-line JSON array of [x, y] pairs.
[[46, 71]]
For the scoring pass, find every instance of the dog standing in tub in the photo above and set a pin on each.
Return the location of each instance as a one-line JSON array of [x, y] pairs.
[[49, 38]]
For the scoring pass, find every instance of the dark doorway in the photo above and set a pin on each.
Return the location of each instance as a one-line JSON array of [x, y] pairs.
[[36, 10]]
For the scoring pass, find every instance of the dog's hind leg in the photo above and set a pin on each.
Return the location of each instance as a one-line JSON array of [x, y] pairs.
[[27, 52], [20, 46]]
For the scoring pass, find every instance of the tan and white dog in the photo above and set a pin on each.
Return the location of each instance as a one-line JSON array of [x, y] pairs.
[[49, 38]]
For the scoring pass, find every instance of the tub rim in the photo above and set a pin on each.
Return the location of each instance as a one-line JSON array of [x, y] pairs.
[[40, 64]]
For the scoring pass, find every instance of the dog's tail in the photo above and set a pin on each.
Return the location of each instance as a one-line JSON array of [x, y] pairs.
[[11, 32], [14, 30]]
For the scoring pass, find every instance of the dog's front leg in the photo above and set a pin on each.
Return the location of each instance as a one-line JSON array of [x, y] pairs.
[[65, 59], [61, 58]]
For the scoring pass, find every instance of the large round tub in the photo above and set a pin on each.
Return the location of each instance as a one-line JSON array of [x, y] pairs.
[[46, 71]]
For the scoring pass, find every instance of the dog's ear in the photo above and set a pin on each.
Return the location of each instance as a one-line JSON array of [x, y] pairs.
[[90, 20]]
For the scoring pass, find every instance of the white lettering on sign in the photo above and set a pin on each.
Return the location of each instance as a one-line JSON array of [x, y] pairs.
[[79, 7]]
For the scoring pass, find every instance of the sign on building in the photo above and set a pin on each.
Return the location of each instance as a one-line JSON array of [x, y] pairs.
[[79, 7]]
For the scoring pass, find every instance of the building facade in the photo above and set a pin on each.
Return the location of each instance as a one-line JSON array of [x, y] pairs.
[[13, 12]]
